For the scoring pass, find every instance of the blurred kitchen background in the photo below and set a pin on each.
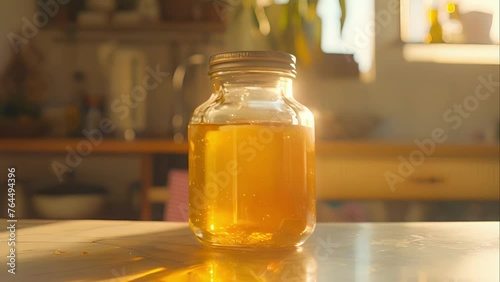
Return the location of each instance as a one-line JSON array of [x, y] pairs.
[[95, 96]]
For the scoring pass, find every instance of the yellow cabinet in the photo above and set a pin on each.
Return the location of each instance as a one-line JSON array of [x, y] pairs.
[[360, 175]]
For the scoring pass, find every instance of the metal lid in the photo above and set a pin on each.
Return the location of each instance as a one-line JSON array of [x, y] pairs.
[[270, 61]]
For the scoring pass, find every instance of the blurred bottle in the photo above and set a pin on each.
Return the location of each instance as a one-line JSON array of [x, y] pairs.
[[94, 112], [435, 34], [76, 108], [453, 28], [72, 115], [54, 111], [125, 68]]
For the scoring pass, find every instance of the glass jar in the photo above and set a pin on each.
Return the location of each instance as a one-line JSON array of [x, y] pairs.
[[252, 155]]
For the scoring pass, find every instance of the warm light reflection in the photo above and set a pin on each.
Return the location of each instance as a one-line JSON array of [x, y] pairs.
[[211, 272], [138, 276], [136, 258], [363, 253], [452, 53], [250, 266], [357, 36], [405, 20]]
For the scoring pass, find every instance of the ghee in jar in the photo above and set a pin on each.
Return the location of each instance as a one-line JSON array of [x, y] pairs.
[[252, 184]]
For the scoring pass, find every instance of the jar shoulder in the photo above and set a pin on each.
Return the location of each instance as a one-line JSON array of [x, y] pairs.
[[287, 111]]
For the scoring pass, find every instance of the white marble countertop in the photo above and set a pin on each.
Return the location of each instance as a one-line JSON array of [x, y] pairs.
[[118, 251]]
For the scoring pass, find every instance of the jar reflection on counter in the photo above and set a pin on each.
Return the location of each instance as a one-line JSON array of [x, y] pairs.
[[293, 265], [251, 156]]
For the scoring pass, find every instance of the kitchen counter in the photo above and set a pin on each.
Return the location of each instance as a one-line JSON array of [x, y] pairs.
[[90, 250]]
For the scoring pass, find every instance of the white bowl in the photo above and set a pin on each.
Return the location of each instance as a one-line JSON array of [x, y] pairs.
[[69, 206]]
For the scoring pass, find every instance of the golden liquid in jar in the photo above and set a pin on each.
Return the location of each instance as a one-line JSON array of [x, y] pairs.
[[251, 184]]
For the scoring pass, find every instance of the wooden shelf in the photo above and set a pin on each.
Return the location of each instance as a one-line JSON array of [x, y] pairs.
[[153, 27], [140, 146], [477, 54], [140, 34], [164, 146]]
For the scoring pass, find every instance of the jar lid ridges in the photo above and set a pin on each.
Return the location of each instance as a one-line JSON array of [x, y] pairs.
[[252, 60]]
